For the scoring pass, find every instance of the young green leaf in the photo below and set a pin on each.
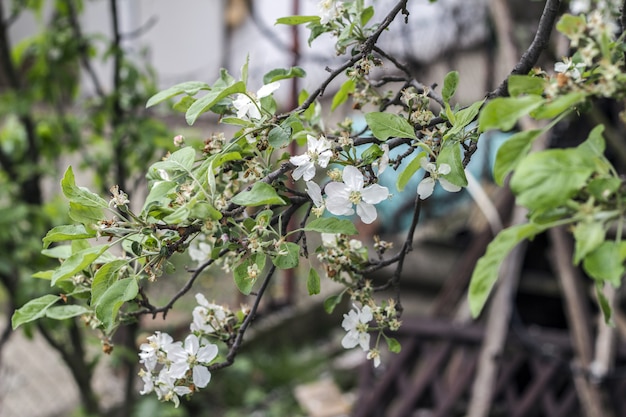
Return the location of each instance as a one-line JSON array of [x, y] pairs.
[[546, 179], [392, 344], [114, 297], [205, 103], [104, 277], [604, 303], [331, 225], [296, 20], [606, 262], [77, 262], [261, 194], [66, 312], [80, 195], [33, 310], [511, 152], [343, 93], [450, 84], [387, 125], [248, 271], [67, 232], [503, 112], [331, 302], [451, 154], [190, 88], [487, 268], [561, 104], [313, 282], [589, 236], [525, 84], [278, 74], [408, 171], [288, 257]]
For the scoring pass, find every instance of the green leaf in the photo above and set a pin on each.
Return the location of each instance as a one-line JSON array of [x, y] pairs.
[[290, 258], [296, 20], [331, 225], [66, 312], [487, 268], [261, 194], [371, 154], [43, 274], [205, 103], [331, 302], [278, 74], [571, 25], [387, 125], [80, 195], [451, 154], [243, 280], [605, 306], [343, 93], [606, 263], [450, 84], [33, 310], [77, 262], [114, 297], [408, 171], [595, 144], [85, 214], [313, 282], [67, 232], [525, 84], [190, 88], [503, 112], [203, 210], [511, 152], [546, 179], [106, 275], [366, 15], [561, 104], [589, 236], [464, 117], [393, 345], [181, 160], [159, 192], [279, 136], [58, 252], [603, 188], [180, 215]]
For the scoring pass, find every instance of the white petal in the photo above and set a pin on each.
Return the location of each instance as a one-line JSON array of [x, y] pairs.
[[350, 340], [427, 166], [364, 341], [207, 353], [426, 188], [267, 89], [339, 206], [311, 142], [253, 111], [366, 314], [444, 169], [448, 186], [374, 194], [337, 190], [366, 212], [201, 376], [300, 159], [306, 171], [353, 178], [324, 158], [315, 192]]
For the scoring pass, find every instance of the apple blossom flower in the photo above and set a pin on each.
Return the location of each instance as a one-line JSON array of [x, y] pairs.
[[191, 355], [315, 193], [167, 390], [156, 348], [319, 151], [248, 108], [568, 67], [427, 185], [355, 323], [207, 317], [341, 196], [329, 10], [374, 354], [383, 162]]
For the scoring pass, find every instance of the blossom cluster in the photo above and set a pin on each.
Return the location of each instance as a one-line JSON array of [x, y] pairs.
[[172, 369]]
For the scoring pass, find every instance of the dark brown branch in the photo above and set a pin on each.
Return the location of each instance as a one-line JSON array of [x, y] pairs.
[[232, 353], [531, 56]]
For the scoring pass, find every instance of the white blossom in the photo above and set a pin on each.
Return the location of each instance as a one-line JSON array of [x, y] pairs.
[[207, 317], [341, 196], [427, 185], [355, 323], [329, 10], [156, 348], [568, 67], [374, 355], [191, 356], [383, 162], [248, 108], [318, 151], [167, 390]]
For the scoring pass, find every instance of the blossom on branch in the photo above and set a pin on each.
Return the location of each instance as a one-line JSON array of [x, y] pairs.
[[246, 107], [426, 187], [191, 356], [356, 324], [341, 196], [319, 151], [329, 10]]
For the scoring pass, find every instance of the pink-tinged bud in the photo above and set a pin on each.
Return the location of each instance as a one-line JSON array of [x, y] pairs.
[[179, 140]]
